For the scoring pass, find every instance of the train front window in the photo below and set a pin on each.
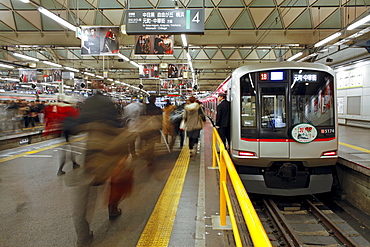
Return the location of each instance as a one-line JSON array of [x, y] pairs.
[[312, 98], [273, 107]]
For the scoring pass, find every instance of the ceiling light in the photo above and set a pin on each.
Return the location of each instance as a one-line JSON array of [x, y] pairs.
[[135, 64], [99, 76], [56, 18], [25, 57], [330, 38], [359, 22], [188, 56], [123, 57], [25, 1], [184, 41], [72, 69], [295, 56], [90, 74], [52, 64], [6, 66]]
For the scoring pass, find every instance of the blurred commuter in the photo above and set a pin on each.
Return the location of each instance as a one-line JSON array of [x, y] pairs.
[[194, 120], [153, 125], [105, 160], [168, 126], [176, 118], [131, 119], [67, 113], [223, 119]]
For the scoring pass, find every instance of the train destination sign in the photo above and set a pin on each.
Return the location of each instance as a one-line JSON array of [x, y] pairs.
[[165, 21]]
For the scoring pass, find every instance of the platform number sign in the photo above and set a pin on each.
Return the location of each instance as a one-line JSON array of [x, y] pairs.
[[164, 21]]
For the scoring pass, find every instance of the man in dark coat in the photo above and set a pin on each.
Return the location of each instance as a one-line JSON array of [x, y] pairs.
[[151, 132], [223, 118]]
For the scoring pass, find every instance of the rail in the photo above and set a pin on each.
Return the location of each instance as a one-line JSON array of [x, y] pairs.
[[222, 159]]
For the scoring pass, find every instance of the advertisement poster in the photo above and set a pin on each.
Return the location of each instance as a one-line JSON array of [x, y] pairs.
[[27, 75], [149, 71], [177, 71], [97, 40], [154, 44]]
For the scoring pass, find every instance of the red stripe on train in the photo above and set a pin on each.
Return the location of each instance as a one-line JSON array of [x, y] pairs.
[[286, 140]]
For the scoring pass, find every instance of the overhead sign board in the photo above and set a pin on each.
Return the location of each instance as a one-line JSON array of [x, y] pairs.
[[165, 21]]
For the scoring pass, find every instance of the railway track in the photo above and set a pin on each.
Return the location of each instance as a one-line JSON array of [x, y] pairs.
[[304, 221]]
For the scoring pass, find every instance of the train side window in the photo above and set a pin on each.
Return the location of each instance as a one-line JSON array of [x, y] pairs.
[[248, 103]]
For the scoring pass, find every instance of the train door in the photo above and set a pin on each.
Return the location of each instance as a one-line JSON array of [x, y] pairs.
[[273, 120]]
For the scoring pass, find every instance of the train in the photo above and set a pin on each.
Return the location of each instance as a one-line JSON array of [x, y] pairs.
[[284, 128]]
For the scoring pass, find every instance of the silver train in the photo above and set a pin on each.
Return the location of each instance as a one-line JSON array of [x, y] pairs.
[[284, 137]]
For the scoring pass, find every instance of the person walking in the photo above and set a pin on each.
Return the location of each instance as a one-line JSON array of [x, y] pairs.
[[151, 133], [194, 121], [168, 126]]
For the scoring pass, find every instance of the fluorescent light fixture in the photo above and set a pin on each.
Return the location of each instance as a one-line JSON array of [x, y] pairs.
[[57, 18], [25, 1], [184, 41], [90, 74], [328, 39], [295, 56], [135, 64], [110, 79], [72, 69], [6, 66], [359, 22], [123, 57], [52, 64], [188, 56], [25, 57], [99, 76], [307, 57]]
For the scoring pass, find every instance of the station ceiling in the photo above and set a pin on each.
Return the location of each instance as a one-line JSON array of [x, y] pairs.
[[237, 32]]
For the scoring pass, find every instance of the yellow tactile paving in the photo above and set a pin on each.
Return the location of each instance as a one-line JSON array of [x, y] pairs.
[[157, 231]]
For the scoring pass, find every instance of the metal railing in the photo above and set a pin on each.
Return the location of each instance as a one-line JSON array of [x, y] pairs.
[[226, 167]]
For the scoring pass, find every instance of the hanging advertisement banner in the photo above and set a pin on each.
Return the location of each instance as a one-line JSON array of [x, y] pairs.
[[177, 71], [27, 75], [154, 44], [149, 71], [99, 40]]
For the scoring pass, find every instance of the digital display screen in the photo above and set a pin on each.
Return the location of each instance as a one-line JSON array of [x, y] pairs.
[[277, 76], [305, 77], [271, 76], [264, 76]]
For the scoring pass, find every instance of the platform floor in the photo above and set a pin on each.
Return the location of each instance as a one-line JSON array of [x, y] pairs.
[[354, 145], [35, 207], [36, 204]]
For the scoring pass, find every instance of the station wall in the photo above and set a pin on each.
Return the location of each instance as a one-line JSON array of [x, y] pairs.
[[353, 94]]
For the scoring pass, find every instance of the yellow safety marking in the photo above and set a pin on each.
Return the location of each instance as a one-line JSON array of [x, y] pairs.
[[37, 150], [157, 231], [355, 147]]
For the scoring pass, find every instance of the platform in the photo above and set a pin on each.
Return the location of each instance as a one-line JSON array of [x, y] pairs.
[[36, 207]]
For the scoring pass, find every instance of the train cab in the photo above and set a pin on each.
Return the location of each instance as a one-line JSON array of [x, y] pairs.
[[284, 127]]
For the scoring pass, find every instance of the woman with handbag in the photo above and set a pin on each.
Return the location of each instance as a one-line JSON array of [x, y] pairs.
[[194, 120]]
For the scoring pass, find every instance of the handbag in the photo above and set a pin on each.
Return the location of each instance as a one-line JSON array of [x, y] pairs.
[[182, 125]]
